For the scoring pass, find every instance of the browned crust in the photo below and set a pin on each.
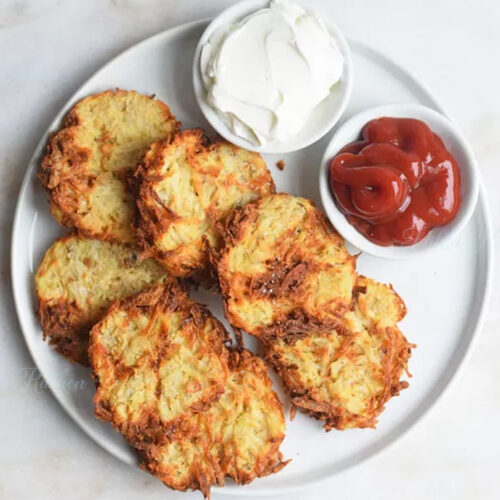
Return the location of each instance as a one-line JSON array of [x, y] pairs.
[[154, 219], [168, 297], [62, 171], [283, 278], [397, 350], [203, 478], [64, 187], [66, 328]]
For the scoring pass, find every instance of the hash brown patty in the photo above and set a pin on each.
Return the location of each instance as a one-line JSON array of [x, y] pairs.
[[346, 376], [238, 437], [284, 270], [157, 358], [76, 282], [87, 161], [185, 189]]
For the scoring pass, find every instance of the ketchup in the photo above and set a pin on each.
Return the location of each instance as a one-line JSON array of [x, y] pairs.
[[396, 182]]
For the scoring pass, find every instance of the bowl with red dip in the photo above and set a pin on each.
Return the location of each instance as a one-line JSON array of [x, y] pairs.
[[398, 180]]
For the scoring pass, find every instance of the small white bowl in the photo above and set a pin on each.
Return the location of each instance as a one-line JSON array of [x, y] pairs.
[[456, 145], [323, 117]]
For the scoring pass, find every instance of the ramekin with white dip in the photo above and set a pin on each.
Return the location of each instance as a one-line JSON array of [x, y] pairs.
[[272, 77]]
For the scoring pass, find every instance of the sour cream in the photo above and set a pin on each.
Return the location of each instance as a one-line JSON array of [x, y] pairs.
[[266, 74]]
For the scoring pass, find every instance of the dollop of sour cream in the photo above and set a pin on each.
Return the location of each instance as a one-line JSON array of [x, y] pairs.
[[265, 74]]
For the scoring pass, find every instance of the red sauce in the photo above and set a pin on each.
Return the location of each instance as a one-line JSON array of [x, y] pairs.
[[396, 182]]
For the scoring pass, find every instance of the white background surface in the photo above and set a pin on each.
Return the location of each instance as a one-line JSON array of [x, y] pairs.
[[49, 47]]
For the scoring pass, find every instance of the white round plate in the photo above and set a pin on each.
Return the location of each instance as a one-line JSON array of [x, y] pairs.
[[446, 292]]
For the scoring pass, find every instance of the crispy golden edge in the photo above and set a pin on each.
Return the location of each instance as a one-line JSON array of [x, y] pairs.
[[199, 477], [62, 325], [298, 323], [166, 297], [334, 415], [61, 148], [153, 220]]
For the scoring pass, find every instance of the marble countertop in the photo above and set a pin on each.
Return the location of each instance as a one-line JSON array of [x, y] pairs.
[[49, 47]]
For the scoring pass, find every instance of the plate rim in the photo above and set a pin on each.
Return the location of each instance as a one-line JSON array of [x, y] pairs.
[[481, 211]]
